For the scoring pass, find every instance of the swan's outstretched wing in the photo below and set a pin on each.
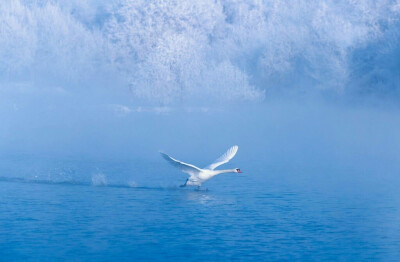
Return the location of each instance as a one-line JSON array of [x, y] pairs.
[[184, 167], [224, 158]]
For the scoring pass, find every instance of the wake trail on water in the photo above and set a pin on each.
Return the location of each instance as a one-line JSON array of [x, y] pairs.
[[129, 185]]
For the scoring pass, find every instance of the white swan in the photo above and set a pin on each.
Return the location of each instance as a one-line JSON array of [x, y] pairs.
[[198, 176]]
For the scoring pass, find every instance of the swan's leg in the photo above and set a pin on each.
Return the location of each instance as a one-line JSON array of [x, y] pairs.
[[185, 183]]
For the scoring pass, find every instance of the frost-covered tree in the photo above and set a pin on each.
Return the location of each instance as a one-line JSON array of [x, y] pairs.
[[167, 46], [186, 51], [41, 40]]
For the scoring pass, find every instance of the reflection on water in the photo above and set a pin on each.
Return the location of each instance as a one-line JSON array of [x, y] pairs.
[[202, 197]]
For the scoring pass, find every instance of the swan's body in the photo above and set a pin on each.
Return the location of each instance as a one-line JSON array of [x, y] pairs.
[[198, 176]]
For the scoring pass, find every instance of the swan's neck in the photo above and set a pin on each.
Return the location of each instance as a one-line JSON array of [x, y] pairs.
[[217, 172]]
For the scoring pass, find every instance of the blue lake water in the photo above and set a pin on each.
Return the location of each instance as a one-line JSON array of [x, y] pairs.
[[103, 211]]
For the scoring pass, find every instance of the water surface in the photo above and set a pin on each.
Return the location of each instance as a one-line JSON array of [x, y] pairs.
[[270, 213]]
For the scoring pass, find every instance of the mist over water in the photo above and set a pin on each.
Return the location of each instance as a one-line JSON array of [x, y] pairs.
[[101, 74], [90, 91]]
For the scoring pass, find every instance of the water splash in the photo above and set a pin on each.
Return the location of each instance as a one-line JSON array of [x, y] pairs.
[[99, 180], [133, 184]]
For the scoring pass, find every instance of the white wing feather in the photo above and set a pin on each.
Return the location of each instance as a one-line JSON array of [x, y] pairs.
[[184, 167], [224, 158]]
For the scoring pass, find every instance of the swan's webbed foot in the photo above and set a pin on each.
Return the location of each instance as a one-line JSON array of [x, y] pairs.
[[184, 184]]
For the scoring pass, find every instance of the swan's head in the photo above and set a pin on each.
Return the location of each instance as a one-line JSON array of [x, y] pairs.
[[238, 170]]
